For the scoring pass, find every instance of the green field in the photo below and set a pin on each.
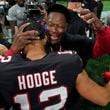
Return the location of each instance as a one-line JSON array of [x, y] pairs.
[[62, 2], [106, 5]]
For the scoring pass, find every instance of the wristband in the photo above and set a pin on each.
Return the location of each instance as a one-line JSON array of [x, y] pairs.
[[10, 52]]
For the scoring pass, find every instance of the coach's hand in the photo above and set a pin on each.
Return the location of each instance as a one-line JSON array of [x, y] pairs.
[[90, 18]]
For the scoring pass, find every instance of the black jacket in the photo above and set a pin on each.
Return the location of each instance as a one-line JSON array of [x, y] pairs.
[[76, 25], [82, 44]]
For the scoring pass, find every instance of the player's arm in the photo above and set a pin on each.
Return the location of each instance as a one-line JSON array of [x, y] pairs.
[[92, 91]]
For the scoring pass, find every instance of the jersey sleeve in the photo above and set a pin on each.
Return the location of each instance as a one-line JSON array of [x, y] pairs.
[[102, 44]]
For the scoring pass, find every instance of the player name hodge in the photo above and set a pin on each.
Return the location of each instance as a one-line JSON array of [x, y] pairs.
[[35, 80]]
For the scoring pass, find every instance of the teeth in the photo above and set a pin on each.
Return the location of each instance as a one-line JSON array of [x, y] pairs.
[[54, 38]]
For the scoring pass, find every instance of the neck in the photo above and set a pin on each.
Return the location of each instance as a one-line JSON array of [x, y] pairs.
[[35, 52]]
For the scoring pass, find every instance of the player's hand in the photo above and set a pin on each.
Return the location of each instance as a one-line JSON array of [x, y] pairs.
[[21, 39], [90, 18]]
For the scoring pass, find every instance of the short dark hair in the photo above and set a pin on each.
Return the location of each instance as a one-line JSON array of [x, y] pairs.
[[35, 25], [61, 9]]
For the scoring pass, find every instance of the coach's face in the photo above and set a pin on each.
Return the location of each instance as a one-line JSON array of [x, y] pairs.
[[56, 26]]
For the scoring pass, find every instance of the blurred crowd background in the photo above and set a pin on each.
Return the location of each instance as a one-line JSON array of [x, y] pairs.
[[100, 7]]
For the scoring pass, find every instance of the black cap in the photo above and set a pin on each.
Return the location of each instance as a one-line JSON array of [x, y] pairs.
[[61, 9]]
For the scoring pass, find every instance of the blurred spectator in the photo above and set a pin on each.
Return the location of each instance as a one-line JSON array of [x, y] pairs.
[[3, 2], [16, 14], [4, 6], [2, 35]]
